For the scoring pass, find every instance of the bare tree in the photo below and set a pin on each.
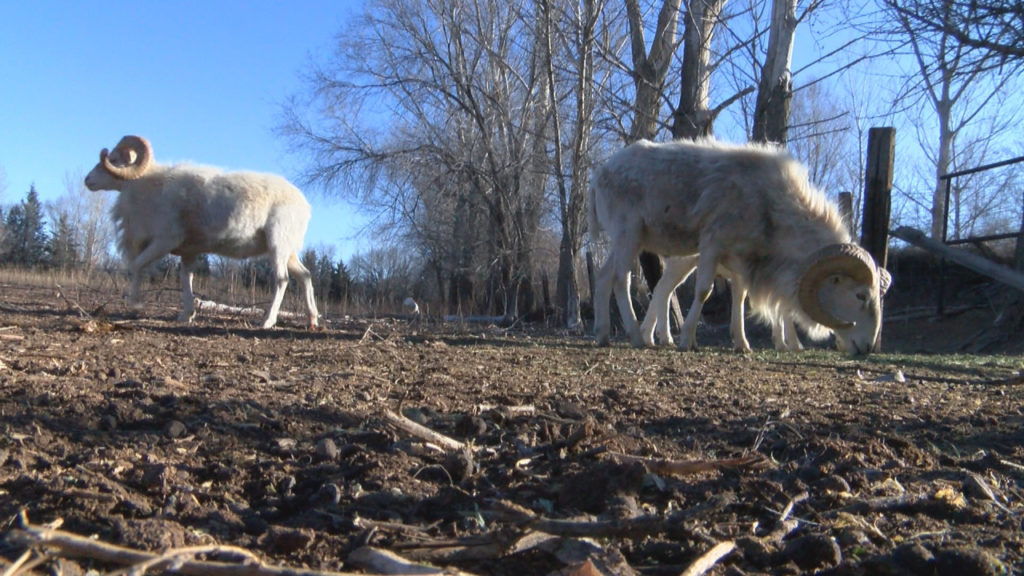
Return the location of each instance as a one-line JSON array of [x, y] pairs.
[[992, 28], [88, 216], [461, 85], [650, 68], [693, 117], [818, 131], [571, 181], [958, 87]]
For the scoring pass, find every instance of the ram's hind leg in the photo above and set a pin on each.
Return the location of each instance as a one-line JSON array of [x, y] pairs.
[[305, 280], [279, 261], [613, 277], [188, 301], [737, 329], [706, 265]]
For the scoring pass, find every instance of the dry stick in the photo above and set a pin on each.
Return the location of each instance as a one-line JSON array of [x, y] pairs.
[[793, 502], [73, 305], [684, 467], [68, 544], [422, 432], [177, 556], [13, 568], [384, 562], [709, 559]]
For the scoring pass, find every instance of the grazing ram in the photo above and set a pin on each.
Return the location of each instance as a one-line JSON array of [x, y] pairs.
[[748, 208], [191, 210]]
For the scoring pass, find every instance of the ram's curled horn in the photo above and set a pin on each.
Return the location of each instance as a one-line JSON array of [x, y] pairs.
[[847, 259], [884, 281], [130, 171]]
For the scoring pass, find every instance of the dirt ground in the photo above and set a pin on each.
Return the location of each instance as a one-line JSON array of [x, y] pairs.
[[557, 457]]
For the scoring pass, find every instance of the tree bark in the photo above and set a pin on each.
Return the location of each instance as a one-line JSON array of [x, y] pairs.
[[693, 119], [775, 89]]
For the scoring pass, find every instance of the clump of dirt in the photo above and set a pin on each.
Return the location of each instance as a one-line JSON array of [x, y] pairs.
[[550, 455]]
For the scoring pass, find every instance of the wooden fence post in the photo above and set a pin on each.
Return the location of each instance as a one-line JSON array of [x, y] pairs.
[[878, 192]]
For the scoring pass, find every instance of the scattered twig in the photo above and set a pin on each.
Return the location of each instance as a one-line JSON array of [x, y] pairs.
[[73, 305], [384, 562], [1011, 464], [578, 435], [178, 556], [978, 484], [707, 560], [792, 502], [17, 564], [524, 410], [686, 467], [422, 432]]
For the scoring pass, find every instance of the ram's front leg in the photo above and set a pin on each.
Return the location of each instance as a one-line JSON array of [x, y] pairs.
[[155, 250]]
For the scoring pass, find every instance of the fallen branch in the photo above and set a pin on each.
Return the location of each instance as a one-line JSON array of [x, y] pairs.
[[183, 559], [422, 432], [211, 306], [687, 467]]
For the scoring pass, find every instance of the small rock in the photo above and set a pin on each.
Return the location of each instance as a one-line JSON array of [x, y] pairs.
[[287, 540], [285, 487], [813, 552], [967, 562], [328, 495], [754, 550], [849, 537], [175, 429], [326, 449], [571, 410], [284, 444], [470, 426], [157, 476], [460, 465], [915, 558], [833, 483]]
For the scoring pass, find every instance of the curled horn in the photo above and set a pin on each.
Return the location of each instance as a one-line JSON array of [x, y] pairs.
[[143, 158], [848, 259]]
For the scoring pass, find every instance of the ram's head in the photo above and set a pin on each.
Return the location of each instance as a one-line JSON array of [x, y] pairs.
[[842, 289], [129, 160]]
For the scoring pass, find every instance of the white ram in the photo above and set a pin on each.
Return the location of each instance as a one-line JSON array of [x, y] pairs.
[[190, 210], [752, 210]]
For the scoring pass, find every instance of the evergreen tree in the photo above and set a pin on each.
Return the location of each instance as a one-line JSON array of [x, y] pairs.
[[63, 246], [341, 283], [323, 273], [26, 241]]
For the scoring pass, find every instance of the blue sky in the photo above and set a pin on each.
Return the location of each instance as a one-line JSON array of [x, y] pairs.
[[202, 79]]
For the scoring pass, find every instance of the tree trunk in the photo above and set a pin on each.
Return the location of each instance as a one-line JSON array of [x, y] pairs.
[[693, 119], [775, 89], [944, 110], [649, 72]]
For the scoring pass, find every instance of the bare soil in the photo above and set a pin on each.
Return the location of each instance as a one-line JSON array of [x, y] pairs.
[[141, 432]]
